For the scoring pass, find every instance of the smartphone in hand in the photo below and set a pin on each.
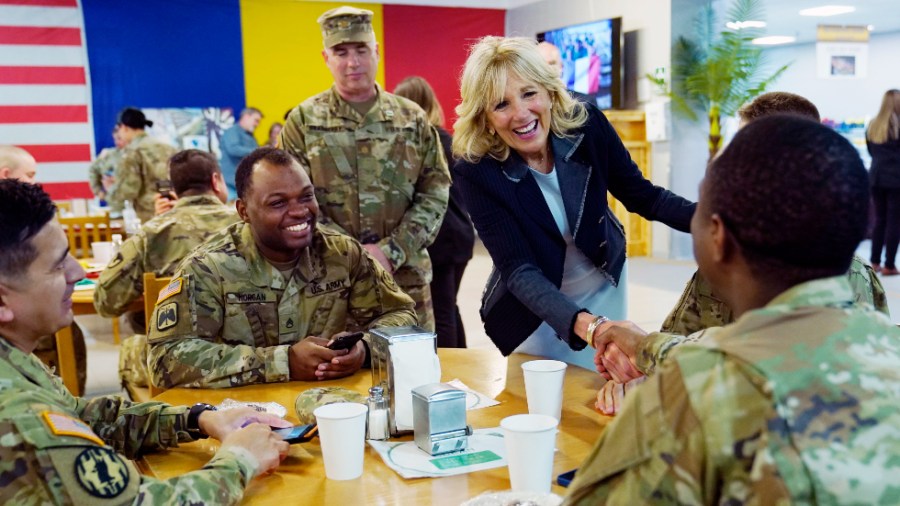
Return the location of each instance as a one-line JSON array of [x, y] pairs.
[[298, 433], [346, 342], [165, 189]]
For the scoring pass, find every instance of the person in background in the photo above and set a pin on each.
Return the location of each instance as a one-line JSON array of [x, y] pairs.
[[60, 449], [274, 132], [373, 157], [236, 143], [102, 172], [883, 142], [160, 246], [260, 301], [553, 57], [535, 169], [699, 307], [16, 163], [452, 248], [798, 400], [143, 164]]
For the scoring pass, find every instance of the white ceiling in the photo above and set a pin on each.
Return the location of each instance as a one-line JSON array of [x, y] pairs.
[[782, 15]]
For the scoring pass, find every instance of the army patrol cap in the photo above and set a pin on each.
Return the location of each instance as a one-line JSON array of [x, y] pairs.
[[309, 400], [346, 24]]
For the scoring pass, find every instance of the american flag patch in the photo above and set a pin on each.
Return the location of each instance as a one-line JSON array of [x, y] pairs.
[[173, 289], [63, 425]]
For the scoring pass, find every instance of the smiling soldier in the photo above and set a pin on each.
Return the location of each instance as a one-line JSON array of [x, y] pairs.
[[260, 301]]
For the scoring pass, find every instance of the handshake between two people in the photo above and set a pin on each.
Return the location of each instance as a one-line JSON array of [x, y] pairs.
[[616, 345]]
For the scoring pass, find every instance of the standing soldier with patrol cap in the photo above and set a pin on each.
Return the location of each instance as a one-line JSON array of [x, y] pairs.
[[373, 157]]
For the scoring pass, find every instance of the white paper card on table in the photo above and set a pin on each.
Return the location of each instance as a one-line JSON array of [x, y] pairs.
[[415, 364], [486, 451], [474, 400]]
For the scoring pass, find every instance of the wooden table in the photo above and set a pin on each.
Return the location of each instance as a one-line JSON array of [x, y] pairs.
[[82, 303], [301, 477]]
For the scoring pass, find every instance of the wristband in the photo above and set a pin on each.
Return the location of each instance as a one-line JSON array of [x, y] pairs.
[[600, 320], [193, 419]]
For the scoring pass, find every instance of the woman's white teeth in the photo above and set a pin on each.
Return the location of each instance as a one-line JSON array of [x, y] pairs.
[[527, 130], [299, 227]]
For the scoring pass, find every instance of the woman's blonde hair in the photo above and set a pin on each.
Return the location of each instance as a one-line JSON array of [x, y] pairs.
[[886, 125], [483, 84], [419, 91]]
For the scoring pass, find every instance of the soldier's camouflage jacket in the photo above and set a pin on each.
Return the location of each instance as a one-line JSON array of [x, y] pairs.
[[699, 308], [60, 449], [107, 162], [381, 179], [159, 247], [230, 317], [144, 161], [797, 402]]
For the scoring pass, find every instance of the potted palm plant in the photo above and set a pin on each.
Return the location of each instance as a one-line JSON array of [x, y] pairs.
[[720, 69]]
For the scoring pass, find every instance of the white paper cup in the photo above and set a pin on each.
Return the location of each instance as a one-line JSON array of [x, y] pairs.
[[544, 386], [530, 441], [102, 252], [342, 434]]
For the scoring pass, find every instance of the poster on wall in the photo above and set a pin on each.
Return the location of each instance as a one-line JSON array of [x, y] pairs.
[[190, 128], [842, 52]]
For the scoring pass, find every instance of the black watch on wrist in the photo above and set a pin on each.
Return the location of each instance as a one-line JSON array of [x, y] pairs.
[[193, 419]]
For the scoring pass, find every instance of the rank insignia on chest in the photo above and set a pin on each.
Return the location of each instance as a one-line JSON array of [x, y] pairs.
[[101, 472], [166, 316]]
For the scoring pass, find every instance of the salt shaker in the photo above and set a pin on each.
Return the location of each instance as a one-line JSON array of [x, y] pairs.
[[378, 414]]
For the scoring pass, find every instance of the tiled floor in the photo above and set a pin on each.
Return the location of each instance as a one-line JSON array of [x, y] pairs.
[[653, 287]]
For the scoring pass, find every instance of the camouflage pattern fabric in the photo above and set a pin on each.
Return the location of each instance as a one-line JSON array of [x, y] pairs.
[[133, 362], [144, 162], [700, 309], [60, 449], [309, 400], [159, 247], [381, 179], [107, 162], [230, 317], [794, 403]]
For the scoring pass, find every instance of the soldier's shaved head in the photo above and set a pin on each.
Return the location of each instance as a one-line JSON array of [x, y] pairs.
[[16, 163]]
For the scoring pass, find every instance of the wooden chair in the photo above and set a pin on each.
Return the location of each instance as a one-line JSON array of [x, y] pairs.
[[63, 207], [81, 231], [152, 286]]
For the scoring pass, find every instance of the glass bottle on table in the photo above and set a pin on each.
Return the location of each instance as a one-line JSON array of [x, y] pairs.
[[130, 218]]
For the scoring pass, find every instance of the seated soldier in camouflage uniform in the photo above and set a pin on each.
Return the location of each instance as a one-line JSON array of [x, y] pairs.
[[162, 244], [259, 302], [798, 400], [60, 449], [699, 307]]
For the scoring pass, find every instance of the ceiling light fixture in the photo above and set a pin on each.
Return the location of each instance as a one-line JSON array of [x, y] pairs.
[[773, 40], [740, 25], [827, 10]]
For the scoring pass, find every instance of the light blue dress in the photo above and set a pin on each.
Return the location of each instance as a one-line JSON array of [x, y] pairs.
[[582, 282]]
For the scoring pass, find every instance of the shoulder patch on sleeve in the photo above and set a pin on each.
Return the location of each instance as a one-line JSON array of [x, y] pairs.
[[64, 425], [166, 316], [101, 472], [174, 287]]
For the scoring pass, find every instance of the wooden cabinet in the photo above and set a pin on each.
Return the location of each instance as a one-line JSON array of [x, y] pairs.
[[632, 128]]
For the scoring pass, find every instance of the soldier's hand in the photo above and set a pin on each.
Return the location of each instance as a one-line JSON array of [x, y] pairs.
[[259, 441], [162, 204], [305, 356], [626, 335], [612, 395], [616, 365], [379, 255], [108, 181], [219, 424], [344, 365]]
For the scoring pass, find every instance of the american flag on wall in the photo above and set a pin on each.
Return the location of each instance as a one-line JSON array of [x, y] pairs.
[[45, 93]]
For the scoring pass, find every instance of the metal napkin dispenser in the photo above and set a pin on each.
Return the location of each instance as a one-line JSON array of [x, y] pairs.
[[384, 343], [439, 414]]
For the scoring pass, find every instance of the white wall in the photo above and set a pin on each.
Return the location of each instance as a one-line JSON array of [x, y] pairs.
[[841, 98]]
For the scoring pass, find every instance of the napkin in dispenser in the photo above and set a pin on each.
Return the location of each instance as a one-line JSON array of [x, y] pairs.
[[403, 358]]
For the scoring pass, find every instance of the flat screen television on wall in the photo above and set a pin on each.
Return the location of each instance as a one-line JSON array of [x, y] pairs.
[[592, 59]]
